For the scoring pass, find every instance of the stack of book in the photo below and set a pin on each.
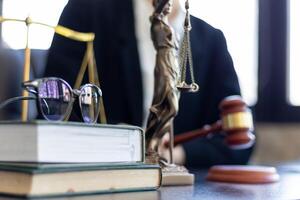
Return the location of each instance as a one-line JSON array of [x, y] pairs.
[[39, 159]]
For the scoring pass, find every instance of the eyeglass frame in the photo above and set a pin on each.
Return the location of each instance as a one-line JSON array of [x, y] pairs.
[[32, 86]]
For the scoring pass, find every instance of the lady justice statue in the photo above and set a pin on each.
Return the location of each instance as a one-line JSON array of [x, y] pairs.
[[166, 95], [169, 81]]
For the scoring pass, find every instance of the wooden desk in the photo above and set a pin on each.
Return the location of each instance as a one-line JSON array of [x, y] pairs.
[[287, 188]]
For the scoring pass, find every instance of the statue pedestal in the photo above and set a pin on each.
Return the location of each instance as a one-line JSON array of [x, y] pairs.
[[172, 174], [176, 175]]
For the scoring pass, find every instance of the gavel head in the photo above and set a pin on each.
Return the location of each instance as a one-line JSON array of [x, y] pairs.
[[237, 122]]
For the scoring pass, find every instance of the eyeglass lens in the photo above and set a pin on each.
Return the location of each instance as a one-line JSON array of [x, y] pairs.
[[55, 97], [89, 100]]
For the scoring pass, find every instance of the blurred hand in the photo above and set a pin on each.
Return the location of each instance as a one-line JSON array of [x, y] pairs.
[[178, 151]]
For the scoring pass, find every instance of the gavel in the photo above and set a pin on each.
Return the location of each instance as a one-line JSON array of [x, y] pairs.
[[236, 122]]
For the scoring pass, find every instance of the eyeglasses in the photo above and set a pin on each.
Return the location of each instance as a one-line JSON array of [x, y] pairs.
[[55, 99]]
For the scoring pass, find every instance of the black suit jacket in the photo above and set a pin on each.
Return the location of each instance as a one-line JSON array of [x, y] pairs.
[[119, 70]]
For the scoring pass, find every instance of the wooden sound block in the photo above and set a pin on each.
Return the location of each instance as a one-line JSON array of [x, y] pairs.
[[176, 175], [243, 174]]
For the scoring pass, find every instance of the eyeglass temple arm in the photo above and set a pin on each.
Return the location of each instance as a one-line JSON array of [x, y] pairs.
[[14, 99], [21, 98], [29, 86]]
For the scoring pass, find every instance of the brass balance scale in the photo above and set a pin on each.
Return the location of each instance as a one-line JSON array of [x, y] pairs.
[[88, 61]]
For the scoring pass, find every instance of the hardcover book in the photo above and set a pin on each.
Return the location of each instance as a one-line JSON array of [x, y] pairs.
[[70, 142], [43, 180]]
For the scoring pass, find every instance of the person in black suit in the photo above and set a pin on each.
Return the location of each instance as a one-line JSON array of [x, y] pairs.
[[118, 53]]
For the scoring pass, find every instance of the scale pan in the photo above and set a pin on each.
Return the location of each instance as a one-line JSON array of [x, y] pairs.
[[184, 87]]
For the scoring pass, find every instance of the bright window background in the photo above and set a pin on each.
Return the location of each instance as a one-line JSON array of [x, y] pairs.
[[238, 20], [294, 56], [45, 11]]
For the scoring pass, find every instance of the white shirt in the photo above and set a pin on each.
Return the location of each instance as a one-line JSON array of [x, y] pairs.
[[143, 9]]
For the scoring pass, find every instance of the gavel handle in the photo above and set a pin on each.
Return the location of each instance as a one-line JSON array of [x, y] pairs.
[[202, 132]]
